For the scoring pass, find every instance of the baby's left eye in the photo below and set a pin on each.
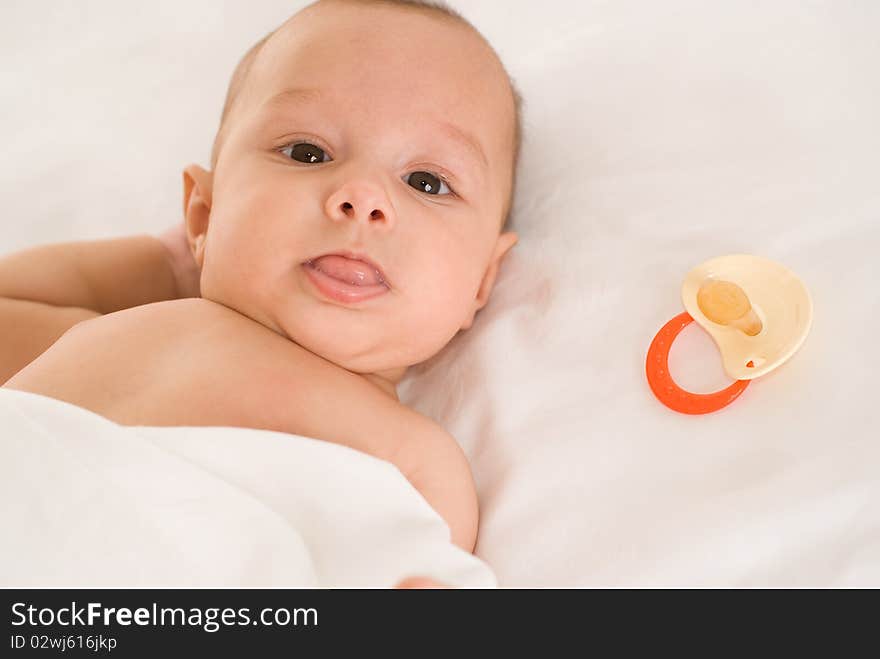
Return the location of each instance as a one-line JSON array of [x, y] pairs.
[[305, 152], [428, 182]]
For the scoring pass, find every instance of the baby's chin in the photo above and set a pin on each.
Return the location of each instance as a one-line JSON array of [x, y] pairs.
[[340, 350], [358, 343]]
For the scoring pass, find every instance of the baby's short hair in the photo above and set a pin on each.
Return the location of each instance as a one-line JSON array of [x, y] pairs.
[[435, 8]]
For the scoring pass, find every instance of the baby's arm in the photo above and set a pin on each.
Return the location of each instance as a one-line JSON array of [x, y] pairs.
[[101, 275], [46, 290], [441, 473], [29, 328]]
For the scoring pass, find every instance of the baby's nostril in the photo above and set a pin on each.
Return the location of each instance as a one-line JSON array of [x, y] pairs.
[[376, 214], [346, 206]]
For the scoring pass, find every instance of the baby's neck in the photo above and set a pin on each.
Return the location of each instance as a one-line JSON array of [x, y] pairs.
[[386, 382]]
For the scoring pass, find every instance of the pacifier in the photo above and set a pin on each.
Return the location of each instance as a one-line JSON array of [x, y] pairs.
[[757, 312]]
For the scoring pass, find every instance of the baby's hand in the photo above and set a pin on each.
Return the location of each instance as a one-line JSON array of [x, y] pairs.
[[412, 583], [186, 270]]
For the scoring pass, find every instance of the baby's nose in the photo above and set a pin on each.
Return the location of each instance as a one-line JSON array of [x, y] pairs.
[[360, 201], [349, 209]]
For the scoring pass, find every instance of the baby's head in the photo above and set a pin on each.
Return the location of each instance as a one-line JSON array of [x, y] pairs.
[[387, 128]]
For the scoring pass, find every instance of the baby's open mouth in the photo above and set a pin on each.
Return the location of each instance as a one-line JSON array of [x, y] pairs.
[[353, 270], [346, 278]]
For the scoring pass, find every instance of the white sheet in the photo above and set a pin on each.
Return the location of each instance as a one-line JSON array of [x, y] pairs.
[[657, 135], [87, 502]]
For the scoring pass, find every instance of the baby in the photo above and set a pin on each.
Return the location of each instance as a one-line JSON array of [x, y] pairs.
[[351, 224]]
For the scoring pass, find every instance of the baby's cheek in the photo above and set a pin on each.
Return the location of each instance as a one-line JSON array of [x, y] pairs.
[[207, 283], [217, 277]]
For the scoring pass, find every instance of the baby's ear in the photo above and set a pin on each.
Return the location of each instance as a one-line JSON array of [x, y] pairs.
[[502, 247], [197, 188]]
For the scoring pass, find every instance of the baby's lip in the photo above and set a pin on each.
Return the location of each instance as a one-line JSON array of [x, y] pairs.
[[356, 257]]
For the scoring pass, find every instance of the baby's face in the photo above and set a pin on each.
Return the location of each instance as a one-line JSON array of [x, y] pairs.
[[404, 132]]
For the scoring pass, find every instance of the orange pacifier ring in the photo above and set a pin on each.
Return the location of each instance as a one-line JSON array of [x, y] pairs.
[[663, 386]]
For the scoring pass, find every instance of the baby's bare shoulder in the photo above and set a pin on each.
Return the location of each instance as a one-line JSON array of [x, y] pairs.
[[434, 462], [145, 319], [194, 362], [154, 323], [148, 365]]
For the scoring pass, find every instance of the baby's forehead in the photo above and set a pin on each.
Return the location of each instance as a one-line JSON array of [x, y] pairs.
[[432, 52], [413, 79]]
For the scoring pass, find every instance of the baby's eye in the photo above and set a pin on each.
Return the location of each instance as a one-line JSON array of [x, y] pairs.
[[427, 182], [304, 152]]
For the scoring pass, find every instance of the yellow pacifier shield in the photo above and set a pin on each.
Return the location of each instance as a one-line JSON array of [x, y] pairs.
[[757, 311]]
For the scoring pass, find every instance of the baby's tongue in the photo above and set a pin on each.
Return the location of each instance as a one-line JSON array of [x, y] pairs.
[[347, 270]]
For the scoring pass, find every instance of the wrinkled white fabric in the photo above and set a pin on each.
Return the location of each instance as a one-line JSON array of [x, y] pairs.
[[87, 502]]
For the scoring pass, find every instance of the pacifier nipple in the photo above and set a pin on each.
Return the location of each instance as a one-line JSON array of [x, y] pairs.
[[725, 303]]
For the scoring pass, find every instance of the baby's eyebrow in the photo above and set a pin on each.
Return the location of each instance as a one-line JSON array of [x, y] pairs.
[[294, 95], [302, 95]]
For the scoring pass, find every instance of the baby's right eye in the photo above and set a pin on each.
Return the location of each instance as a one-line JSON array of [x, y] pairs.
[[304, 152]]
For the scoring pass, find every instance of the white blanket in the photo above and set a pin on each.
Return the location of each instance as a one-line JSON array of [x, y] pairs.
[[87, 502]]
